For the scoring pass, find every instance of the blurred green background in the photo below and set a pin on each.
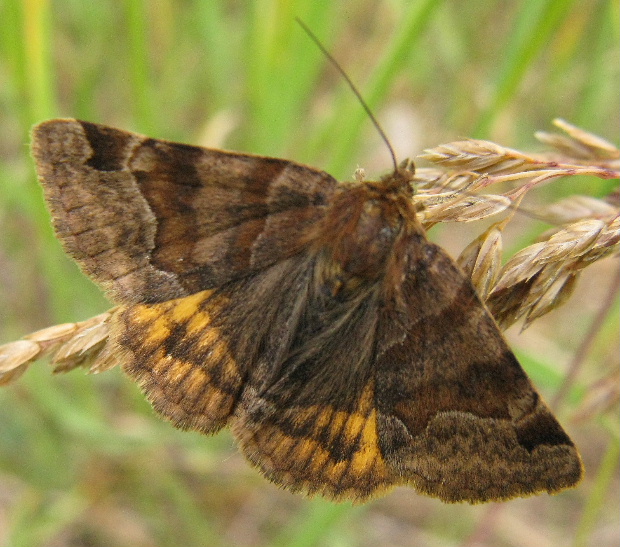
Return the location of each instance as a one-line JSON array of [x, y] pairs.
[[83, 460]]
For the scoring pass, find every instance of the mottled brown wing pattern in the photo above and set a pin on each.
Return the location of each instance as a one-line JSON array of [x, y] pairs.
[[258, 355], [458, 417], [175, 351], [153, 220], [347, 353], [361, 392], [184, 351]]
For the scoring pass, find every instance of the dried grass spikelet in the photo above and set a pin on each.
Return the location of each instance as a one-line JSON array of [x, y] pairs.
[[478, 156], [481, 259], [542, 276], [578, 143], [69, 345], [574, 208]]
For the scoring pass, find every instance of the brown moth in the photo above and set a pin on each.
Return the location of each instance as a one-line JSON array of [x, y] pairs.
[[347, 352]]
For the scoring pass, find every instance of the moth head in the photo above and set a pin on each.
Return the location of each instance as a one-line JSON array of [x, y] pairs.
[[401, 179]]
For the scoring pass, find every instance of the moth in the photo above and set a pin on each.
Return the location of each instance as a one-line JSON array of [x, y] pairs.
[[347, 353]]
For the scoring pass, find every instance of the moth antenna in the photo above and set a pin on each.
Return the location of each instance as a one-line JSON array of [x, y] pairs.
[[365, 106], [372, 117]]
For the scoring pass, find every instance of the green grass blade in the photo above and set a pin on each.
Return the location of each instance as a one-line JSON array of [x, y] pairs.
[[535, 23]]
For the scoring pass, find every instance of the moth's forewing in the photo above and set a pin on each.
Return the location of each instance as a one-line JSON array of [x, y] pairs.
[[152, 220], [458, 417]]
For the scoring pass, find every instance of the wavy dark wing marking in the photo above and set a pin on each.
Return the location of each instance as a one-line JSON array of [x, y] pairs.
[[153, 220], [271, 356], [192, 356], [457, 416]]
